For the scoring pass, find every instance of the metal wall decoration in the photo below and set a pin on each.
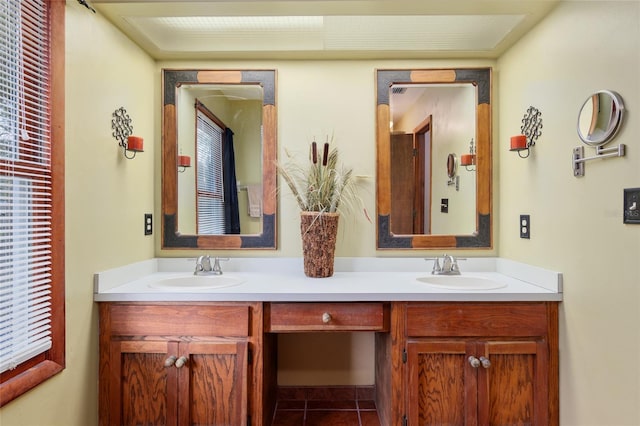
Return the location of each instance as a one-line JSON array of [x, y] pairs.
[[532, 125], [122, 129], [531, 128]]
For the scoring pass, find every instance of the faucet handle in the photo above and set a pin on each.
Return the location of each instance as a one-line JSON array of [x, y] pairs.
[[436, 264], [217, 270]]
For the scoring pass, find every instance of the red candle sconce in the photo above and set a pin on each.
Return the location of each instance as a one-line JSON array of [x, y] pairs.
[[122, 131], [184, 161], [469, 160], [531, 130]]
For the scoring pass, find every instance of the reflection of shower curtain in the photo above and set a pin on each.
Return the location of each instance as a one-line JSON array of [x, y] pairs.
[[231, 212]]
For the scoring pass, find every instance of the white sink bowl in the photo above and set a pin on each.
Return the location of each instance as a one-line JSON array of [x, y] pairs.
[[196, 282], [461, 282]]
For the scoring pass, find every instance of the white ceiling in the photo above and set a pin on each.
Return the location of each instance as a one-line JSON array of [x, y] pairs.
[[324, 29]]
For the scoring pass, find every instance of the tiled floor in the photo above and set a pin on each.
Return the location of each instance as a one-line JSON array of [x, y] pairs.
[[326, 406]]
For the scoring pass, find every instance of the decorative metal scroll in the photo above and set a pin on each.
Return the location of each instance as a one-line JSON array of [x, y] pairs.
[[122, 129], [532, 125], [121, 125]]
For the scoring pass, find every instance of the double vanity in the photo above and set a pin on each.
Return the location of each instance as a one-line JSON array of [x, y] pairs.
[[476, 348]]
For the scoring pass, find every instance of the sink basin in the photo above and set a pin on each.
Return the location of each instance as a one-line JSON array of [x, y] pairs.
[[461, 282], [196, 282]]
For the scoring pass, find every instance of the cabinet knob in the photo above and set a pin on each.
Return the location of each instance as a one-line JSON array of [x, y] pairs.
[[475, 362], [180, 362], [170, 361], [485, 362], [326, 317]]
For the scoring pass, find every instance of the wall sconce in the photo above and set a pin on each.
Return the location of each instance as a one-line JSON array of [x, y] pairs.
[[531, 130], [469, 159], [122, 131], [184, 161]]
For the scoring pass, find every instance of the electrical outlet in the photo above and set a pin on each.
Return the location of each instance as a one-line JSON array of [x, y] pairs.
[[148, 224], [525, 226]]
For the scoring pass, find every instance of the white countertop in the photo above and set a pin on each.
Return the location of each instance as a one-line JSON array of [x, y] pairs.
[[354, 279]]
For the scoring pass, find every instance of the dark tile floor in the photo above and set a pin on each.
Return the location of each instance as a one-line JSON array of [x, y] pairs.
[[326, 406]]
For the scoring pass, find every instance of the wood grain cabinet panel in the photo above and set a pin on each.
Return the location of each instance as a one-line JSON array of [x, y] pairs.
[[480, 364], [445, 388], [159, 378]]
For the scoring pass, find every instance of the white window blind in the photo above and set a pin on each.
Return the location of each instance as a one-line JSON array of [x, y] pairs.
[[25, 182], [210, 190]]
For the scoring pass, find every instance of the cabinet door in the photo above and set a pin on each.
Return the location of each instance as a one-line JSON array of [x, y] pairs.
[[213, 383], [441, 383], [142, 390], [513, 389]]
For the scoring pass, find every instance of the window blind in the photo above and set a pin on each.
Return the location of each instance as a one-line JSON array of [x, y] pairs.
[[210, 190], [25, 182]]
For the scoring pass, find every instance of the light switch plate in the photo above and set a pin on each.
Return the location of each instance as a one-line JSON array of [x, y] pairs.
[[631, 207], [444, 205]]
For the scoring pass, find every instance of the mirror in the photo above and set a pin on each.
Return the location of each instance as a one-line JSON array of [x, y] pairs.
[[224, 121], [600, 118], [452, 165], [457, 109]]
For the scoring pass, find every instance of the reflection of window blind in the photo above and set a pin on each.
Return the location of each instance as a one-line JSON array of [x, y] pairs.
[[210, 191], [25, 183]]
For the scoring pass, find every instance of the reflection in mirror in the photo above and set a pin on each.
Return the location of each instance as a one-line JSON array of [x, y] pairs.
[[225, 121], [600, 118], [423, 116], [452, 165], [220, 127]]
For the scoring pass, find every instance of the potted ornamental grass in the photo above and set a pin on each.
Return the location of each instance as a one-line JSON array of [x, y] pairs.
[[322, 189]]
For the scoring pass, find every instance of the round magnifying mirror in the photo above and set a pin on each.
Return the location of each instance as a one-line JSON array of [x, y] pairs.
[[600, 118], [452, 165]]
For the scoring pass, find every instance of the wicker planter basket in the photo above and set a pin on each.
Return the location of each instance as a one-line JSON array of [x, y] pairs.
[[318, 242]]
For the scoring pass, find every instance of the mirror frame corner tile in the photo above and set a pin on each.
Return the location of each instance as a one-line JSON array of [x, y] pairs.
[[171, 237], [480, 78]]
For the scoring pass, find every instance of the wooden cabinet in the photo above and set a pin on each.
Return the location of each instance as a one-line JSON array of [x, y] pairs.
[[480, 364], [436, 362], [173, 364]]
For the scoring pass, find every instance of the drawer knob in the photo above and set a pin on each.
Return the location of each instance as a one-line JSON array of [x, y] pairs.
[[326, 318], [180, 362], [170, 361], [475, 362], [485, 362]]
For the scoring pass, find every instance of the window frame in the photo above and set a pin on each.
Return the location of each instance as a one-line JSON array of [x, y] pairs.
[[38, 369], [202, 195]]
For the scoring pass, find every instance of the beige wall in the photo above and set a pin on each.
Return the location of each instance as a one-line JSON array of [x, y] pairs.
[[576, 223], [106, 198]]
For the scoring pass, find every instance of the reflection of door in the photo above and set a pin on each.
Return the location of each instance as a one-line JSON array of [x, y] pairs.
[[422, 205], [403, 184], [410, 169]]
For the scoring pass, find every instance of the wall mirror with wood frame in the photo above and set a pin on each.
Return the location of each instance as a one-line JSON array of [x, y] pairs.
[[222, 124], [422, 116]]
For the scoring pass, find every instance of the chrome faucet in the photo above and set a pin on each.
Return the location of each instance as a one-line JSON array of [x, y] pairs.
[[449, 265], [203, 266]]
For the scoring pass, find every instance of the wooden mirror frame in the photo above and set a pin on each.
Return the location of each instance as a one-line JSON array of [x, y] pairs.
[[481, 79], [171, 81]]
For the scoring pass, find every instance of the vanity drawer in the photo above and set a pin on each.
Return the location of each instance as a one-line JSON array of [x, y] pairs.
[[174, 319], [477, 319], [293, 317]]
